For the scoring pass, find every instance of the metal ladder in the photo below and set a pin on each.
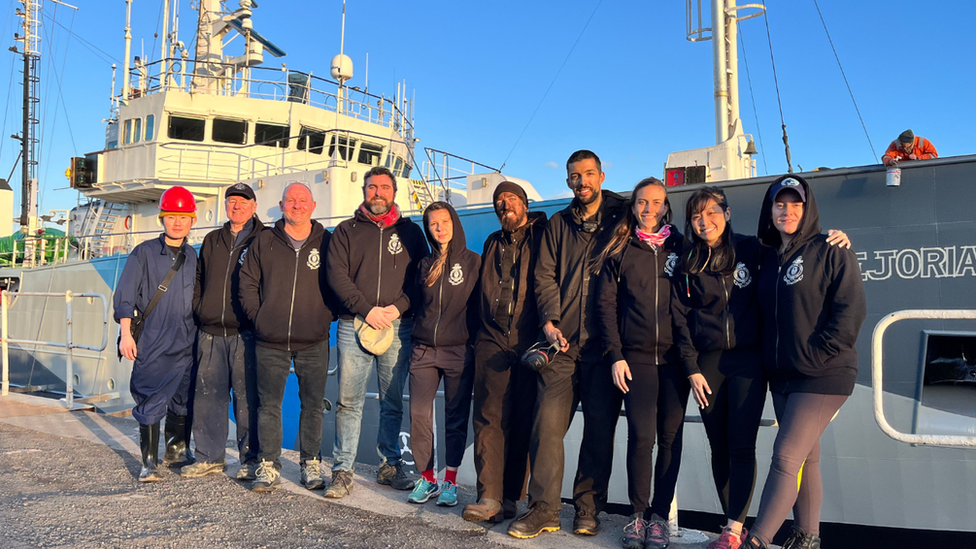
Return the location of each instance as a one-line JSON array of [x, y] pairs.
[[99, 226], [421, 194]]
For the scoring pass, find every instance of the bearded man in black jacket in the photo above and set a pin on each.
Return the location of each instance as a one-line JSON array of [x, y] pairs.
[[504, 389], [566, 295], [372, 268], [285, 294]]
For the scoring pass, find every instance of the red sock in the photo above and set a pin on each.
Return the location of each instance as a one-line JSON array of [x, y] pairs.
[[450, 476], [429, 475]]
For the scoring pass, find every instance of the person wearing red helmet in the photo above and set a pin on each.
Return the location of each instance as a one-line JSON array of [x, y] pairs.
[[156, 320]]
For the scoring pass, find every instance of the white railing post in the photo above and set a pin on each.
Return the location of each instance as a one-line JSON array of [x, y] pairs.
[[3, 336], [69, 378]]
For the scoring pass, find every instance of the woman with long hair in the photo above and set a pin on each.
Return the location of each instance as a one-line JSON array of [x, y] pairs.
[[812, 299], [445, 316], [717, 325], [635, 314]]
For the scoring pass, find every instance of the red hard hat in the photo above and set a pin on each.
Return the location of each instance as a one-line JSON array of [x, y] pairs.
[[177, 200]]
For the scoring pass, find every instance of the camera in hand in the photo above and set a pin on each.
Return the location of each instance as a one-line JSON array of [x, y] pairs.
[[538, 357]]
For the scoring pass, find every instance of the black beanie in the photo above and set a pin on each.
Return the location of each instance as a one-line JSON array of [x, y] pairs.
[[906, 137], [509, 187]]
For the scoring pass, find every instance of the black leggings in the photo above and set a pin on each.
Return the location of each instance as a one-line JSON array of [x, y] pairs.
[[655, 405], [731, 422], [802, 417]]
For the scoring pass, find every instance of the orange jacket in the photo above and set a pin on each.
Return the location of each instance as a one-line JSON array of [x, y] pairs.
[[923, 150]]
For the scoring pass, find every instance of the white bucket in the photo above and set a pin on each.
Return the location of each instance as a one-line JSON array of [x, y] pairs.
[[894, 177]]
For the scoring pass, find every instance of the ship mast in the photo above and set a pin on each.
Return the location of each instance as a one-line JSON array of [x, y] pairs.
[[30, 49]]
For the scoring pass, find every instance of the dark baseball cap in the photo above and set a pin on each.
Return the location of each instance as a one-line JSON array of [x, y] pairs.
[[789, 182], [240, 189]]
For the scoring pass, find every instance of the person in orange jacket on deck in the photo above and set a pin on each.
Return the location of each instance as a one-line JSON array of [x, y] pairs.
[[909, 147]]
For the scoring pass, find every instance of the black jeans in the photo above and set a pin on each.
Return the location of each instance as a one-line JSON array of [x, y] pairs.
[[556, 402], [504, 401], [672, 399], [731, 422], [225, 365], [312, 369], [601, 401], [427, 366]]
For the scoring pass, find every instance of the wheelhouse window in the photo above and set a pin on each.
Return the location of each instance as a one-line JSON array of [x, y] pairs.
[[150, 126], [344, 145], [370, 154], [312, 139], [271, 135], [127, 132], [136, 129], [227, 130], [186, 128]]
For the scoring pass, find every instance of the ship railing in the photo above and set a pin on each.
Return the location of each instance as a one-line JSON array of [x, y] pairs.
[[232, 163], [37, 250], [449, 172], [275, 84], [877, 375], [69, 345]]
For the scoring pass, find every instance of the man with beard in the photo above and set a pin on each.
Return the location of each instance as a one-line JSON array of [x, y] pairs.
[[285, 295], [372, 266], [504, 389], [565, 290]]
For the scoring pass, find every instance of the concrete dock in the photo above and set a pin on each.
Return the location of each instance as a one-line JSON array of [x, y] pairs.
[[70, 481]]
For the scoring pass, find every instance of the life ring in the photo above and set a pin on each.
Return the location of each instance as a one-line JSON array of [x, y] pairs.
[[128, 222]]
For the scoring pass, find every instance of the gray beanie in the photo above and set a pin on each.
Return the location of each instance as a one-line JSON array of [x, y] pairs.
[[906, 137]]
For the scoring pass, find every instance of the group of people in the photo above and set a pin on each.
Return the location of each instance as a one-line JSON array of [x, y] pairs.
[[625, 310]]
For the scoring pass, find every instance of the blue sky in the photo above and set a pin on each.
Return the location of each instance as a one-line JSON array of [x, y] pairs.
[[632, 90]]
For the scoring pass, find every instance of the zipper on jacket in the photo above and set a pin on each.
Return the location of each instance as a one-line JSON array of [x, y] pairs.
[[223, 305], [728, 336], [294, 284], [379, 270], [440, 307], [776, 313], [657, 319]]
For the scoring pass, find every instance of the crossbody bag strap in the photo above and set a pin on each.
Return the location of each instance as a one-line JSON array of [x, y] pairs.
[[161, 289]]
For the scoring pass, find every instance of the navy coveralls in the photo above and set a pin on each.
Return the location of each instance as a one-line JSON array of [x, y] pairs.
[[161, 373]]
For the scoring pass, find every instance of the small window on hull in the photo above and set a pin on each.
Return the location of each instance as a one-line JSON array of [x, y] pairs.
[[229, 131], [186, 128], [271, 135], [312, 139]]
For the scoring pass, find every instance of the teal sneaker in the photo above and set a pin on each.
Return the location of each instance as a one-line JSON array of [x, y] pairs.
[[448, 497], [423, 491]]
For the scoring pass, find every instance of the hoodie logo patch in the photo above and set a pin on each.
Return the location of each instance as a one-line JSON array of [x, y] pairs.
[[457, 276], [670, 263], [741, 276], [395, 246], [314, 259], [243, 255], [794, 273]]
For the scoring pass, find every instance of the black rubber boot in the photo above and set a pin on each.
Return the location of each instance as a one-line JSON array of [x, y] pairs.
[[800, 540], [177, 433], [149, 444]]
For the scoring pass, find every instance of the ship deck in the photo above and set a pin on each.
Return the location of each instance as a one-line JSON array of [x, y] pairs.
[[70, 480]]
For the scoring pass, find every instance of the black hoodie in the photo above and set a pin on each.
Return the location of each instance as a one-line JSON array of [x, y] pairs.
[[813, 305], [717, 312], [216, 299], [369, 266], [565, 285], [509, 258], [634, 308], [284, 291], [447, 312]]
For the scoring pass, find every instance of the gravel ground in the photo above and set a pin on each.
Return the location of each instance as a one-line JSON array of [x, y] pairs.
[[65, 492]]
